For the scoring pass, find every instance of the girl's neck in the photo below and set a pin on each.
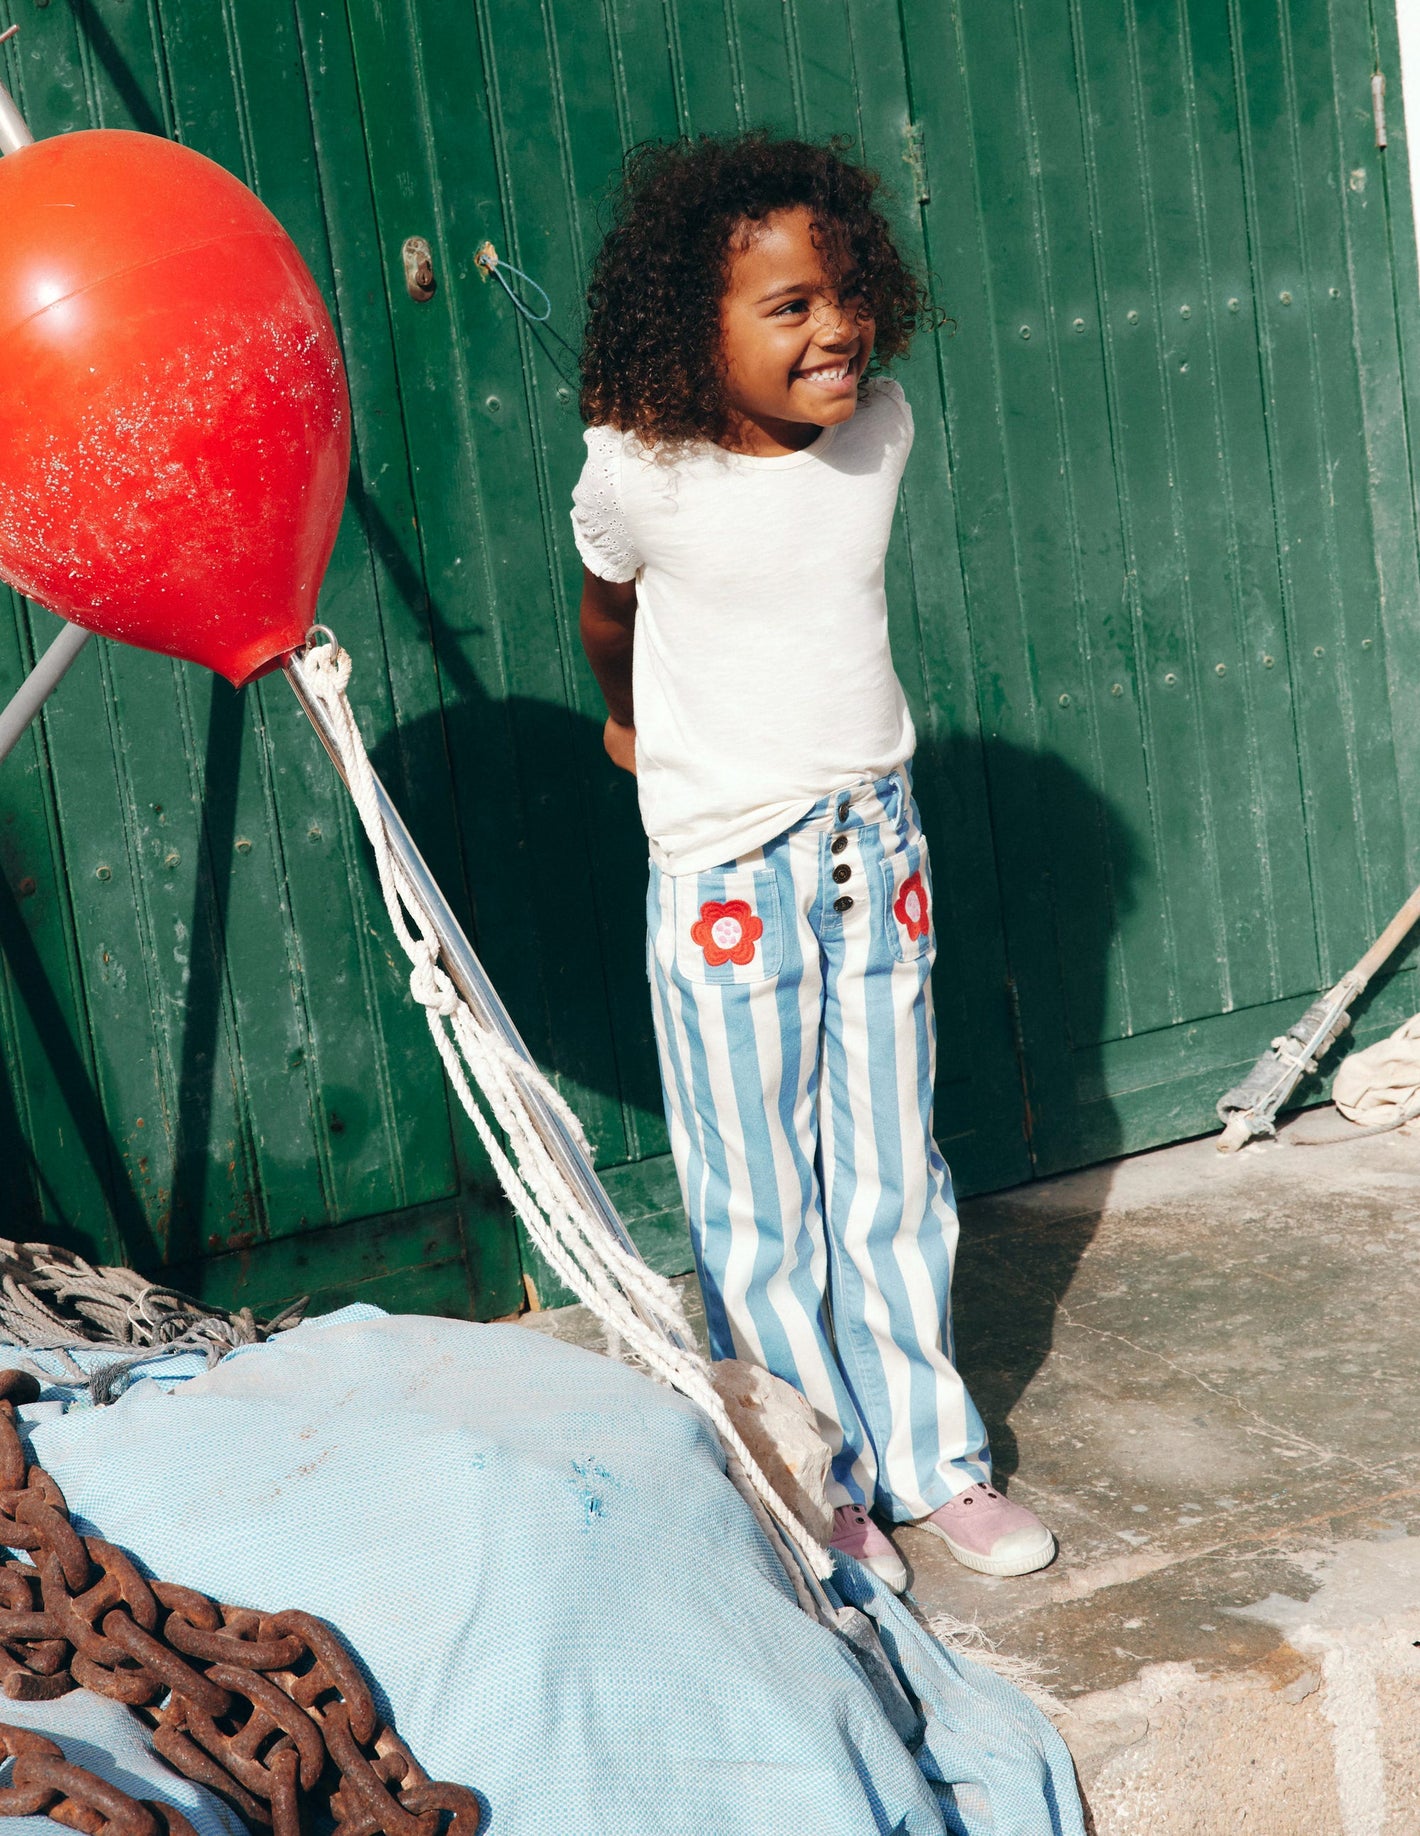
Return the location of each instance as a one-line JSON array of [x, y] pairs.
[[768, 438]]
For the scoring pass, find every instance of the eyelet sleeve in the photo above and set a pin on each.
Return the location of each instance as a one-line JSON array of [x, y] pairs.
[[599, 526]]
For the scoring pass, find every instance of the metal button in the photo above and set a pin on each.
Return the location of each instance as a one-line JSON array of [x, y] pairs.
[[841, 872], [838, 844], [841, 905], [843, 812]]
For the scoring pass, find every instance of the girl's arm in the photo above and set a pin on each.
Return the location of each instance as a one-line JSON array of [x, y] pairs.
[[608, 625]]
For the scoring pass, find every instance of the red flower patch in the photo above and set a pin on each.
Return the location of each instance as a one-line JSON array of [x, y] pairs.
[[726, 933], [910, 907]]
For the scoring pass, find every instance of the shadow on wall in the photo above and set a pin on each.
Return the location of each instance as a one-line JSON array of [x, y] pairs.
[[1012, 1278]]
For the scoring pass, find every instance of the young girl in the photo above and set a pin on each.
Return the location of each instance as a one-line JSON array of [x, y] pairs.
[[742, 471]]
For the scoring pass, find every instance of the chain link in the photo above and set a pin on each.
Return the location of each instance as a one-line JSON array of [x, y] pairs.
[[268, 1710]]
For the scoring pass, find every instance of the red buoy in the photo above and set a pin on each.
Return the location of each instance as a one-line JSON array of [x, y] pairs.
[[174, 423]]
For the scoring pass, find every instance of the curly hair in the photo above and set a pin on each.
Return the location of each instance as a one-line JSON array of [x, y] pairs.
[[651, 360]]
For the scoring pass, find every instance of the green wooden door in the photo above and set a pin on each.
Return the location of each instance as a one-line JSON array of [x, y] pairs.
[[1183, 275], [210, 1065], [508, 123], [1153, 591]]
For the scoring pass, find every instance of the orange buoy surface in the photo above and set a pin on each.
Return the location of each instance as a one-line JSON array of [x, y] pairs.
[[174, 423]]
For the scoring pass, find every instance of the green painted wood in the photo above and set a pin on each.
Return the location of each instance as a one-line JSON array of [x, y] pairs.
[[414, 1261], [523, 154], [239, 1056], [1180, 497]]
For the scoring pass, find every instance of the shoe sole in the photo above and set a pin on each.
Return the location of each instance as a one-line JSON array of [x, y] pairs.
[[1041, 1557]]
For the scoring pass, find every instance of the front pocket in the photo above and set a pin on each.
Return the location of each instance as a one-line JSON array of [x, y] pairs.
[[907, 897], [727, 926]]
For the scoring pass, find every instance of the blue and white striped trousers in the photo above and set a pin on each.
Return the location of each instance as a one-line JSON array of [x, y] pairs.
[[793, 1014]]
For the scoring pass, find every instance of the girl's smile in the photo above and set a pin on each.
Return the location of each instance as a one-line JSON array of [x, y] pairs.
[[795, 336]]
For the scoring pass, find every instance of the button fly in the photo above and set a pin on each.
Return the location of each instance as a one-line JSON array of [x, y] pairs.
[[843, 812], [842, 872], [841, 905], [838, 844]]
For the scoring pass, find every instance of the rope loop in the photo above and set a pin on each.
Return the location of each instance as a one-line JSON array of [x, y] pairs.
[[328, 664]]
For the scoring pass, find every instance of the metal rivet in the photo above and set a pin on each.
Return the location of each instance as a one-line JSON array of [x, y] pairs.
[[27, 887], [1267, 662], [1285, 298], [1220, 669], [1170, 678], [1320, 651], [103, 873], [564, 394], [1079, 325], [1365, 643], [494, 403], [1335, 293], [1064, 701], [1132, 317], [1185, 312], [1116, 688], [1183, 369], [1025, 331], [243, 845], [171, 860], [1234, 305]]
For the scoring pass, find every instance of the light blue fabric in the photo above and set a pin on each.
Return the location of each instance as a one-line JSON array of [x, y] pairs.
[[555, 1591]]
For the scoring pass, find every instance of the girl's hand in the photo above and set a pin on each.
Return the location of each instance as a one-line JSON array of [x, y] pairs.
[[620, 743]]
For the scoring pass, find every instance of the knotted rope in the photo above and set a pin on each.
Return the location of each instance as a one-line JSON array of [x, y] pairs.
[[635, 1304]]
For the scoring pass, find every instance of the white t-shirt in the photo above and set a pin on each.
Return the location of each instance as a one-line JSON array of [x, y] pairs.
[[762, 679]]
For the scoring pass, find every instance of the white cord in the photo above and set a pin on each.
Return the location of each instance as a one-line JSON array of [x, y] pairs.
[[633, 1303]]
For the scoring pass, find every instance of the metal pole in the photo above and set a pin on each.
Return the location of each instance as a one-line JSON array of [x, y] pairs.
[[460, 963], [13, 132], [44, 678], [39, 685]]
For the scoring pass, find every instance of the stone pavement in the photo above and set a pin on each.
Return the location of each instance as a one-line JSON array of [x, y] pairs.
[[1202, 1371]]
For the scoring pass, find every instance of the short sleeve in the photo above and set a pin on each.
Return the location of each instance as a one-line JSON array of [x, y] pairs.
[[599, 525], [890, 393]]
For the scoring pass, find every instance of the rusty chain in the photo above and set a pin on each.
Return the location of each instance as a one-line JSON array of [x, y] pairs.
[[267, 1710]]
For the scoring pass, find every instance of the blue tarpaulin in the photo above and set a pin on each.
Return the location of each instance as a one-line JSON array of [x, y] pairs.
[[554, 1590]]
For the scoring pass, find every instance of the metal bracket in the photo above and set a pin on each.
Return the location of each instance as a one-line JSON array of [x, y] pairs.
[[418, 268]]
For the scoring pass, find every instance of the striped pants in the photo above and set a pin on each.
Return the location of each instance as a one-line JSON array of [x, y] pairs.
[[793, 1015]]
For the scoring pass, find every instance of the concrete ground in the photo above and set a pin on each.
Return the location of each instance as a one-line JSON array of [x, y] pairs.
[[1202, 1372]]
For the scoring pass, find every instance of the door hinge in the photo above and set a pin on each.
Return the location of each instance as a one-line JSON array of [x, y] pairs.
[[1378, 106], [915, 158]]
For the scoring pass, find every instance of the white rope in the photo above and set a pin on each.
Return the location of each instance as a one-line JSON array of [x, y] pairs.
[[633, 1303]]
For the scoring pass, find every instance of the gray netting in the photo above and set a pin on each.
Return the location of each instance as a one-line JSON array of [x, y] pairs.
[[53, 1300]]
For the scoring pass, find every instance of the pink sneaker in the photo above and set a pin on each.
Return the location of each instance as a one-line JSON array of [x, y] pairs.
[[985, 1531], [855, 1533]]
